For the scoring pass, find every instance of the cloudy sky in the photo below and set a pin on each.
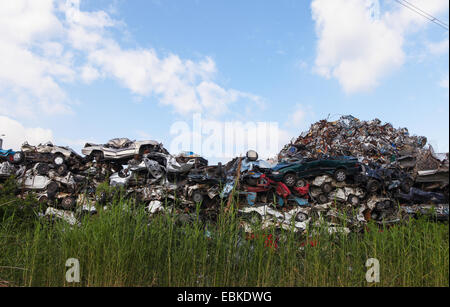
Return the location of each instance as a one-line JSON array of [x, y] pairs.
[[90, 70]]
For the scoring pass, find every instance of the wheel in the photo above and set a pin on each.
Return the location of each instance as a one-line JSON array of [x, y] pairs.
[[197, 197], [61, 170], [340, 175], [301, 217], [353, 200], [117, 167], [300, 183], [68, 203], [43, 200], [42, 169], [322, 198], [58, 159], [290, 179], [373, 186], [326, 187], [52, 189], [18, 157], [123, 173]]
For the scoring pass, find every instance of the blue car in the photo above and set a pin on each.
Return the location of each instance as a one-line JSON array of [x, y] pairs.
[[10, 155]]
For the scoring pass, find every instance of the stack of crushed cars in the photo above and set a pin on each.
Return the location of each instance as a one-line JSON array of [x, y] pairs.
[[367, 169], [347, 172]]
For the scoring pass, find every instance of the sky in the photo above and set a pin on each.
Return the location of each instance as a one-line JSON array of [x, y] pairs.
[[77, 71]]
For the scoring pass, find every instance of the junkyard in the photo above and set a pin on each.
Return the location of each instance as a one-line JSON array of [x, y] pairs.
[[224, 151], [338, 178]]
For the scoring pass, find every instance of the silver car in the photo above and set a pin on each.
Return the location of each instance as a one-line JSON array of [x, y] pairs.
[[49, 153], [120, 148]]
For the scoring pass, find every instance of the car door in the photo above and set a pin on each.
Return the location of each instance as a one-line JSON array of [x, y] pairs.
[[306, 169], [108, 152], [127, 151]]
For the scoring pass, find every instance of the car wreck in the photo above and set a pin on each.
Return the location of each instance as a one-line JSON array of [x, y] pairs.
[[347, 171]]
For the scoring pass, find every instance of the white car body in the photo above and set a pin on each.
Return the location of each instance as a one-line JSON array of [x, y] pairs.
[[51, 149], [117, 149]]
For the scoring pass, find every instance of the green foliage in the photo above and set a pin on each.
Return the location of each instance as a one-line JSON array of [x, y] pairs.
[[20, 210], [119, 247]]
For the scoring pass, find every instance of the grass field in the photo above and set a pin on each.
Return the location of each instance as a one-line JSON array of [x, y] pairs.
[[120, 247]]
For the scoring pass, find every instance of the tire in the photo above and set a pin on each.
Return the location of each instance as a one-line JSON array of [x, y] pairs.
[[290, 179], [42, 169], [353, 200], [117, 167], [340, 175], [122, 174], [323, 199], [43, 200], [373, 186], [301, 217], [52, 189], [18, 157], [58, 159], [197, 197], [326, 187], [68, 203], [300, 183], [61, 170]]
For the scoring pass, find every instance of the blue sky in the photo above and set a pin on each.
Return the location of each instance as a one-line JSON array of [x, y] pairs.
[[76, 71]]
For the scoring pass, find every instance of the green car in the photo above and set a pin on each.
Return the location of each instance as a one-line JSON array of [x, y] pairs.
[[292, 173]]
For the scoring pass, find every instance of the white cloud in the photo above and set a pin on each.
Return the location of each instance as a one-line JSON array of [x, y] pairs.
[[185, 85], [438, 48], [32, 63], [45, 44], [299, 118], [16, 134], [358, 46], [89, 74]]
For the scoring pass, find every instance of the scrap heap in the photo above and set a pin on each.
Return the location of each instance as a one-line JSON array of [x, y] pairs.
[[372, 143], [389, 167], [348, 136]]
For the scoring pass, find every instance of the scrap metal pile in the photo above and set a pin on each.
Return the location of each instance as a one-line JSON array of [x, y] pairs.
[[343, 172]]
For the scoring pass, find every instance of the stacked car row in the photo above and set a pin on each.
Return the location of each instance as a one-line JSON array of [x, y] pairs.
[[314, 179], [324, 188]]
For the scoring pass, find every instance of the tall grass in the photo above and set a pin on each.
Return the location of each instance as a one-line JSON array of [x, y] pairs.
[[120, 247]]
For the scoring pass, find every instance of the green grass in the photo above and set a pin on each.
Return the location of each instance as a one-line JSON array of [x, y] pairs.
[[120, 248]]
